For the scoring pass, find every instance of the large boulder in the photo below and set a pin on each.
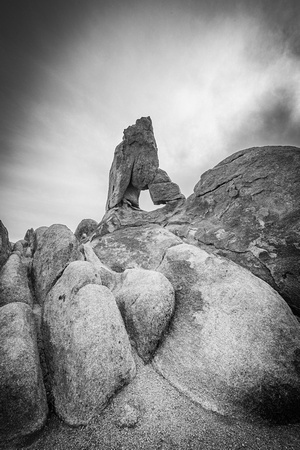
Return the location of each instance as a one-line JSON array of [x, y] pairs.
[[87, 349], [23, 405], [134, 165], [14, 281], [85, 228], [5, 247], [134, 247], [247, 208], [57, 247], [146, 300], [233, 344]]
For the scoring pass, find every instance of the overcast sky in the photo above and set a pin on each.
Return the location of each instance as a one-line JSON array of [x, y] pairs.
[[215, 77]]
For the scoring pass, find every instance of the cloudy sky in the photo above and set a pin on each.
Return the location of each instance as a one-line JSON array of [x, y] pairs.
[[215, 77]]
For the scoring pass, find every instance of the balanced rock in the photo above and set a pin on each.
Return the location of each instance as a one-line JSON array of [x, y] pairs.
[[163, 190], [57, 247], [87, 348], [134, 247], [85, 228], [134, 165], [233, 344], [14, 282], [146, 300], [5, 247], [23, 405], [247, 208]]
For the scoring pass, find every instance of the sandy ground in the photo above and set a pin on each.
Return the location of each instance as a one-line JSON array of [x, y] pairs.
[[151, 414]]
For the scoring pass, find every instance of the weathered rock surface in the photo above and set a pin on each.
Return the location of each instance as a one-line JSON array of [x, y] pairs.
[[247, 208], [23, 406], [14, 283], [134, 165], [146, 300], [38, 233], [87, 348], [5, 247], [56, 248], [162, 190], [233, 345], [134, 247], [85, 228]]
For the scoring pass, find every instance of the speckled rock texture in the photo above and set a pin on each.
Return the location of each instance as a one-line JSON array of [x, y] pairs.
[[233, 345], [5, 247], [23, 405], [247, 208], [85, 228], [14, 282], [87, 349], [134, 247], [57, 247]]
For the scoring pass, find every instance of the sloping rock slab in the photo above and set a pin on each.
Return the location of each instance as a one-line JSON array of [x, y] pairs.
[[23, 405], [87, 348], [14, 286], [247, 208], [57, 246], [233, 345], [134, 247]]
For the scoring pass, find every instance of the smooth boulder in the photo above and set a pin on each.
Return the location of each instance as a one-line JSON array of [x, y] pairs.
[[87, 349], [57, 247], [14, 282], [146, 300], [233, 344], [23, 405]]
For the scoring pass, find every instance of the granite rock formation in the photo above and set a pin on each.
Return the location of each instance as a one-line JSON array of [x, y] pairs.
[[14, 282], [56, 248], [85, 228], [233, 344], [135, 168], [87, 348], [247, 208], [23, 405], [5, 247]]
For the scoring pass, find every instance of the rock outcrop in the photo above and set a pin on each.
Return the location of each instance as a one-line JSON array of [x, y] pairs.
[[56, 248], [134, 247], [5, 247], [135, 168], [23, 405], [85, 228], [247, 208], [233, 344], [87, 348], [14, 283]]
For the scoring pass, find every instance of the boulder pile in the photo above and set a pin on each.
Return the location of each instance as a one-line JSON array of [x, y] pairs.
[[200, 289]]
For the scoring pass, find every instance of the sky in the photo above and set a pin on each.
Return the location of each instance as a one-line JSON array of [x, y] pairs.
[[214, 76]]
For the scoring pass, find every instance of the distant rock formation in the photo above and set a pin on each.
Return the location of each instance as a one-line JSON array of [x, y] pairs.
[[135, 168], [85, 228]]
